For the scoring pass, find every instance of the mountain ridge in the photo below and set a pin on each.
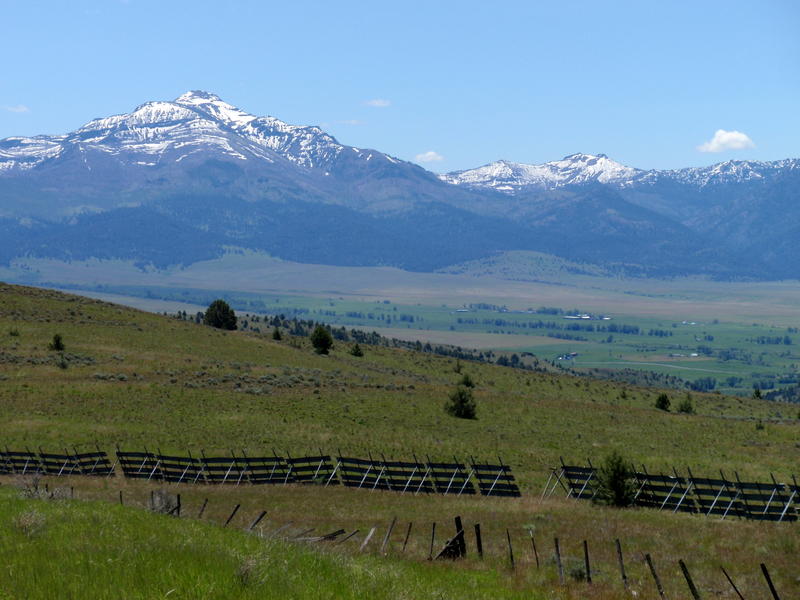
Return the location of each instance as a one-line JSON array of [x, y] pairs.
[[217, 176]]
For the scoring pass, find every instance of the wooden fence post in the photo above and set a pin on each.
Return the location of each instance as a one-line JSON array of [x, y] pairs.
[[769, 582], [408, 533], [433, 538], [586, 561], [558, 562], [367, 539], [202, 509], [655, 576], [478, 541], [235, 509], [692, 588], [388, 534], [733, 585], [533, 545], [510, 549], [461, 538], [621, 564], [257, 520], [120, 498]]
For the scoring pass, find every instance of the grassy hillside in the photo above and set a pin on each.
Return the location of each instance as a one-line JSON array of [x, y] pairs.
[[77, 550], [139, 379]]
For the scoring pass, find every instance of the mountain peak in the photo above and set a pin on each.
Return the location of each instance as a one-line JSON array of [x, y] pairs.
[[197, 97]]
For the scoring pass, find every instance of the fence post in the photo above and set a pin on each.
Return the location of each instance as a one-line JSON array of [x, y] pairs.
[[408, 533], [558, 562], [769, 582], [388, 534], [621, 564], [692, 588], [655, 576], [478, 542], [533, 545], [230, 518], [586, 561], [202, 509], [461, 538], [367, 539], [433, 538], [120, 498], [257, 520], [733, 585], [510, 549]]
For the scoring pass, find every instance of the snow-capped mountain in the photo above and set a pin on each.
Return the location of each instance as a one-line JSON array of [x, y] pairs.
[[175, 182], [194, 122], [581, 169], [576, 169]]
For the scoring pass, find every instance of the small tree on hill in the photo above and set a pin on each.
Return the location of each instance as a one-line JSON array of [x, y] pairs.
[[466, 381], [461, 404], [321, 339], [662, 402], [614, 482], [686, 405], [356, 350], [220, 315], [276, 334], [57, 344]]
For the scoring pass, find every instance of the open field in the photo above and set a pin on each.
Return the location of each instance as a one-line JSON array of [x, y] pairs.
[[139, 379], [737, 355], [100, 545], [736, 314], [768, 302]]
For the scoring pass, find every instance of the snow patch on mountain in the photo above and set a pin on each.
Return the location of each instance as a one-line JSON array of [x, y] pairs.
[[576, 169], [579, 169]]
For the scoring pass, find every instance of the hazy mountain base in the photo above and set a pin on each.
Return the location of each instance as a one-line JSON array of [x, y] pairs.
[[532, 280]]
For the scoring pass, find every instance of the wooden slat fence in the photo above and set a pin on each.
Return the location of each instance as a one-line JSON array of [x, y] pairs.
[[723, 497]]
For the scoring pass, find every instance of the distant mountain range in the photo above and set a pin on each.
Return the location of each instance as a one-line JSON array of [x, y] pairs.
[[183, 181]]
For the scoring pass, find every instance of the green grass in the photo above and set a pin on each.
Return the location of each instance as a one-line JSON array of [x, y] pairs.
[[71, 549], [158, 382], [94, 548], [140, 379], [737, 361]]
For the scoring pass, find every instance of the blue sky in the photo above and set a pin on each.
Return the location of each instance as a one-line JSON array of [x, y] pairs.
[[461, 83]]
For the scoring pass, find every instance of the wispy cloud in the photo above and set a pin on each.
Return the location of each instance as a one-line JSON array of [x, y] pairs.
[[727, 140], [19, 108], [351, 122], [378, 103], [429, 156]]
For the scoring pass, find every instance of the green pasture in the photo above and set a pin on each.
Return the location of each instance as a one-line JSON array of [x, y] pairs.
[[737, 355]]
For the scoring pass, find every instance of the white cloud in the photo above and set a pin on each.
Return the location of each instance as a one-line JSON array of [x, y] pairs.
[[429, 156], [19, 108], [727, 140], [378, 103]]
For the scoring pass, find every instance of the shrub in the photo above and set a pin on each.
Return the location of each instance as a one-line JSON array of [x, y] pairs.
[[614, 482], [466, 381], [276, 335], [220, 315], [686, 406], [321, 339], [461, 404], [57, 344], [662, 402], [13, 332], [356, 350]]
